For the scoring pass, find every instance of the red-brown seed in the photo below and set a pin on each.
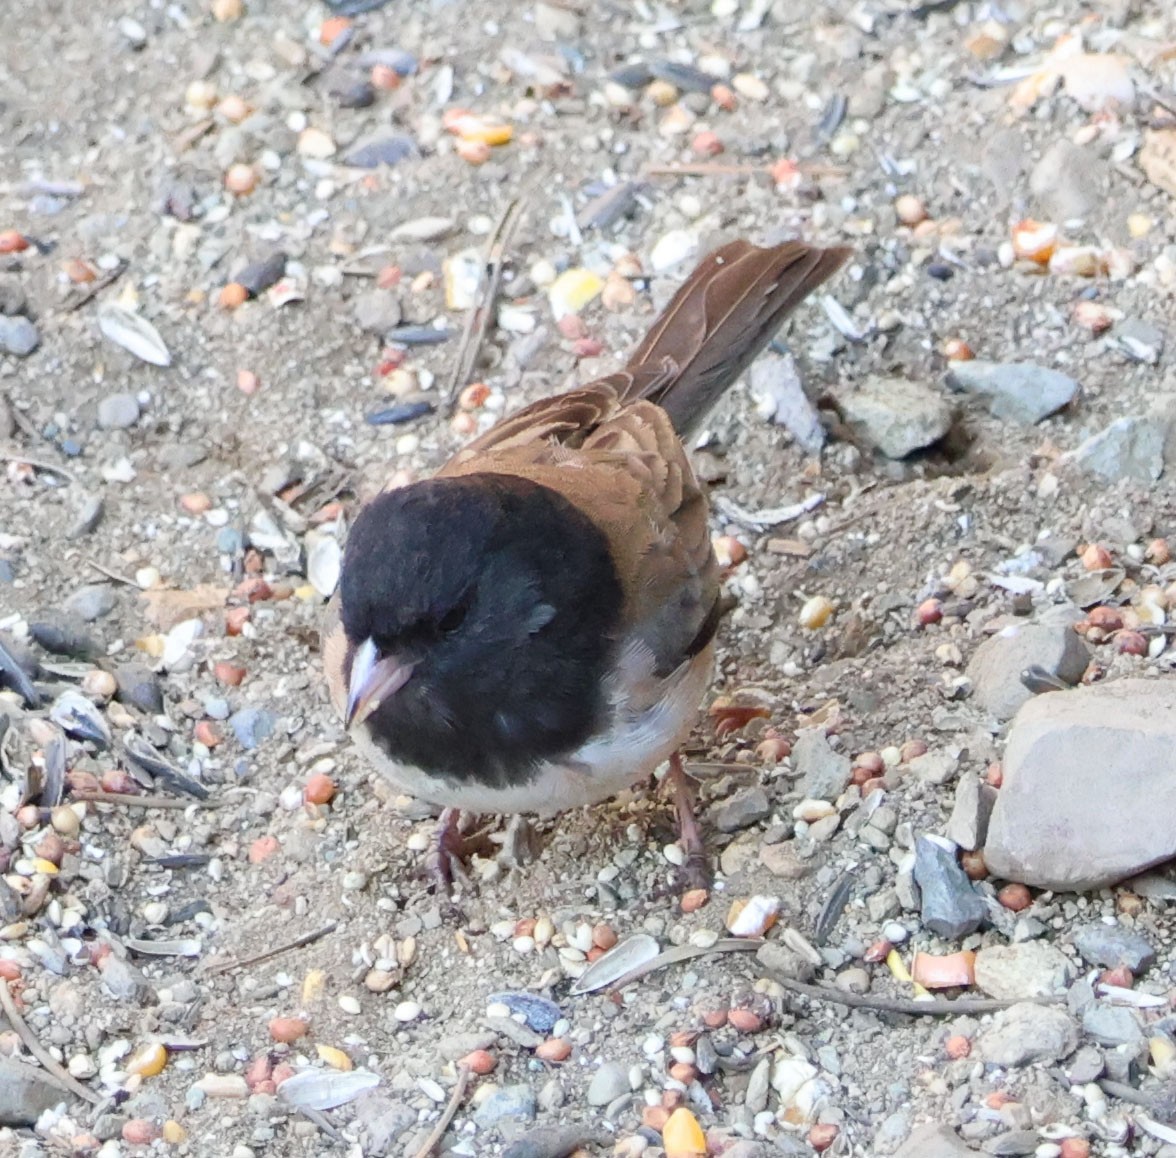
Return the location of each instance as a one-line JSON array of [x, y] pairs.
[[1096, 557], [1119, 975], [288, 1029], [525, 927], [912, 750], [715, 1018], [745, 1020], [1015, 897], [822, 1136], [233, 295], [683, 1072], [331, 29], [1130, 643], [872, 762], [571, 326], [773, 750], [241, 179], [957, 1046], [480, 1061], [603, 936], [258, 1070], [587, 347], [1074, 1148], [139, 1131], [655, 1117], [235, 620], [9, 970], [282, 1071], [389, 277], [928, 612], [973, 864], [119, 780], [51, 848], [383, 77], [12, 241], [196, 502], [706, 144], [207, 733], [957, 350], [554, 1049], [262, 849], [995, 774], [694, 899], [877, 952], [474, 396], [1107, 618], [683, 1037], [320, 789], [1158, 552], [248, 382], [724, 97], [229, 673]]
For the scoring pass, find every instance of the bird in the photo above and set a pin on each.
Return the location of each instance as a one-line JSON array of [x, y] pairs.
[[532, 629]]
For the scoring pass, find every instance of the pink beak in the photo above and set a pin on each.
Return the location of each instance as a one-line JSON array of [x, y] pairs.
[[373, 680]]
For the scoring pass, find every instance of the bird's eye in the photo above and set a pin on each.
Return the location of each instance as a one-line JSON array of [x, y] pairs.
[[454, 617]]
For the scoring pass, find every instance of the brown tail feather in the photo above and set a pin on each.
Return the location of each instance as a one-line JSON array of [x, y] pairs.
[[723, 315]]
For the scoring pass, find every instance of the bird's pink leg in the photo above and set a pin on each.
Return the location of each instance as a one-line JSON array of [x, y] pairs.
[[449, 846], [696, 874]]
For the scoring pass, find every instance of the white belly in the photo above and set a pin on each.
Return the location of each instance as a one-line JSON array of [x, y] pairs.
[[596, 771]]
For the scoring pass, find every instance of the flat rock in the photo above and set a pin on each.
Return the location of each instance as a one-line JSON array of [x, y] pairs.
[[825, 773], [995, 669], [1089, 791], [784, 860], [1130, 448], [951, 906], [91, 602], [933, 1141], [1112, 1025], [974, 801], [377, 311], [18, 336], [1112, 945], [26, 1093], [896, 416], [1020, 392], [1029, 1033], [608, 1083], [742, 810], [118, 411], [1019, 972], [509, 1103]]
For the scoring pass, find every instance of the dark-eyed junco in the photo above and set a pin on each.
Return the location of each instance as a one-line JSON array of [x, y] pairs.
[[533, 628]]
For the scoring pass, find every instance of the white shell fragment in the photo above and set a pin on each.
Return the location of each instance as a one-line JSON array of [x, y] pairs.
[[326, 1089], [629, 954], [134, 334], [324, 562]]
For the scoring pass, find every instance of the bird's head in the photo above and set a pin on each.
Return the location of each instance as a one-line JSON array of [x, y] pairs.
[[480, 614]]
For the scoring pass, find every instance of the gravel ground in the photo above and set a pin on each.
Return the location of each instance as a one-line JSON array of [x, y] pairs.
[[180, 465]]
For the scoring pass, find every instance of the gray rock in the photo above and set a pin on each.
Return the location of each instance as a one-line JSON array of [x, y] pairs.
[[951, 906], [742, 810], [377, 311], [1029, 1033], [1139, 340], [91, 602], [776, 957], [510, 1103], [1013, 1143], [758, 1086], [995, 669], [1112, 1025], [608, 1083], [1020, 392], [1019, 972], [252, 725], [1087, 1065], [454, 1046], [553, 1142], [18, 336], [122, 980], [12, 297], [974, 801], [118, 411], [934, 767], [1069, 756], [1068, 181], [138, 686], [776, 386], [824, 772], [381, 1121], [26, 1093], [896, 416], [934, 1141], [784, 860], [1111, 945], [1130, 448]]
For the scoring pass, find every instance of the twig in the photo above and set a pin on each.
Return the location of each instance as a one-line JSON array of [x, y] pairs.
[[321, 1121], [97, 286], [63, 1076], [478, 319], [20, 418], [97, 796], [125, 580], [463, 1081], [269, 954], [1126, 1093], [36, 463], [931, 1007]]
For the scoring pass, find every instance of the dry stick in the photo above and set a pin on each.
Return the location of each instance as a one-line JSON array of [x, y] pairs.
[[63, 1076], [97, 796], [933, 1007], [96, 287], [297, 943], [111, 574], [463, 1081], [478, 320], [677, 955]]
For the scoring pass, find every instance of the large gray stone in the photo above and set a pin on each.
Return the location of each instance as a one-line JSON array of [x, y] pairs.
[[824, 773], [974, 801], [1020, 392], [1029, 1033], [1023, 971], [1130, 448], [1089, 791], [934, 1141], [26, 1093], [951, 906], [995, 669], [896, 416]]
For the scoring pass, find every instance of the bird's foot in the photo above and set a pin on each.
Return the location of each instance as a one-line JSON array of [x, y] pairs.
[[518, 844], [694, 872]]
